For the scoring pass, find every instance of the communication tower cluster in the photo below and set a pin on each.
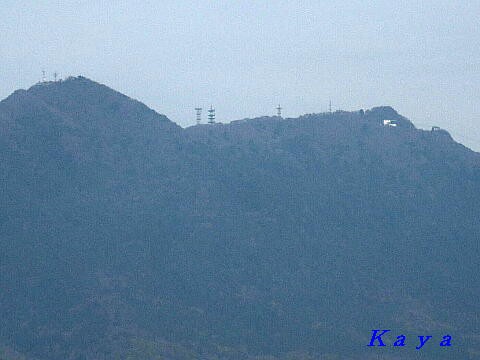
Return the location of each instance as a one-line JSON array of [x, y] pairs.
[[211, 114], [44, 77]]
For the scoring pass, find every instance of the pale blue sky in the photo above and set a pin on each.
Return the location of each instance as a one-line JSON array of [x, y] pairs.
[[244, 57]]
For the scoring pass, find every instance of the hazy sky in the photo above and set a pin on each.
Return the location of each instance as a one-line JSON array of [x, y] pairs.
[[245, 57]]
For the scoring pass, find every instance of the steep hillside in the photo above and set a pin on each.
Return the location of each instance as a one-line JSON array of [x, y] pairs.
[[124, 236]]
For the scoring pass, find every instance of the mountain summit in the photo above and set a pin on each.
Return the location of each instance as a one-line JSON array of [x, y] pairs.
[[125, 236], [78, 109], [82, 98]]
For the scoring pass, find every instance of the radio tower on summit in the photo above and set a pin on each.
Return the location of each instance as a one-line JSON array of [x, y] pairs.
[[211, 115], [199, 114], [279, 110]]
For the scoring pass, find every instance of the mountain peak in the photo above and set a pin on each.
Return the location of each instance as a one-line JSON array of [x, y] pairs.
[[81, 119], [70, 84], [80, 90], [81, 99]]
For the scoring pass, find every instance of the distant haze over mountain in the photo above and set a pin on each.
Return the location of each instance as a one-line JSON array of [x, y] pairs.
[[245, 57], [125, 236]]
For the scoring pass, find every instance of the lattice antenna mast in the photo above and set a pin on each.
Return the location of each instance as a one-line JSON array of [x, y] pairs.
[[44, 79], [199, 114], [330, 106], [279, 111], [211, 115]]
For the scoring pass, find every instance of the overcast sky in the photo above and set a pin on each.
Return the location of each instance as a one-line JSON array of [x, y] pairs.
[[245, 57]]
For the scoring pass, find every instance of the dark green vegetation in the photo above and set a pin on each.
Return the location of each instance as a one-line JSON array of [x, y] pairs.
[[124, 236]]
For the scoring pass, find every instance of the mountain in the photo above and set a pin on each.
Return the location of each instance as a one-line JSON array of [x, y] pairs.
[[124, 236]]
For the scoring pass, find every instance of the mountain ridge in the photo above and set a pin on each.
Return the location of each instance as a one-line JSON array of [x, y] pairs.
[[45, 91], [124, 235]]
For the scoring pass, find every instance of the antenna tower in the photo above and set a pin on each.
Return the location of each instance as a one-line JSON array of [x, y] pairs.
[[55, 74], [279, 111], [330, 106], [43, 76], [211, 115], [199, 114]]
